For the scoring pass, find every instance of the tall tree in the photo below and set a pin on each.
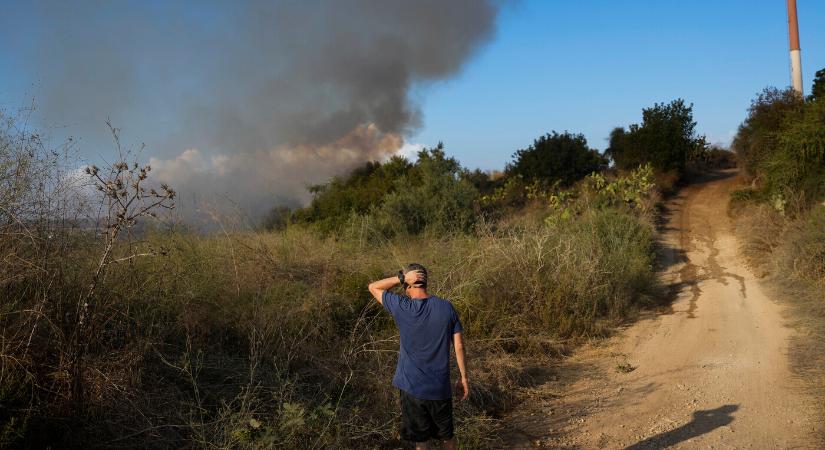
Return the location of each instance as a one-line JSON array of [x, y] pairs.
[[756, 140], [818, 90], [564, 158], [666, 138]]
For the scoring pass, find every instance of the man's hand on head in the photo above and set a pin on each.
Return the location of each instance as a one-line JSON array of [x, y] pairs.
[[413, 276], [377, 288]]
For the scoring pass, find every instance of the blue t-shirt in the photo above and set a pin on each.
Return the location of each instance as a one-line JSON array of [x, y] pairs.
[[427, 327]]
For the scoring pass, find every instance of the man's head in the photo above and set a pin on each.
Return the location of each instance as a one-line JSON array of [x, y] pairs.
[[422, 284]]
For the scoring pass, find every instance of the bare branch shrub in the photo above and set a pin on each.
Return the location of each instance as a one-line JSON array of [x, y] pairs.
[[46, 239]]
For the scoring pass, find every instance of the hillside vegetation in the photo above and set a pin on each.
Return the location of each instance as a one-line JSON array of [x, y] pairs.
[[164, 337], [781, 214]]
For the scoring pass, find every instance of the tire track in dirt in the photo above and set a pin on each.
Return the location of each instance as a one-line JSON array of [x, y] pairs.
[[710, 372]]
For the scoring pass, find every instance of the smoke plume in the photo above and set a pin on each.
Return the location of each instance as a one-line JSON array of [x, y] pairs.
[[255, 99]]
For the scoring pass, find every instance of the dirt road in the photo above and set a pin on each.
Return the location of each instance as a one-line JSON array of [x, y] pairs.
[[712, 372]]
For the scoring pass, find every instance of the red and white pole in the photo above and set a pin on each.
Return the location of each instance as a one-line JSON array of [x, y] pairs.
[[796, 57]]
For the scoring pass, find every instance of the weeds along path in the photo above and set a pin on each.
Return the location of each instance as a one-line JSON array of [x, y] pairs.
[[711, 372]]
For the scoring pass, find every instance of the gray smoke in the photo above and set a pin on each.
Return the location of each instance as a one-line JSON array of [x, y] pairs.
[[252, 99]]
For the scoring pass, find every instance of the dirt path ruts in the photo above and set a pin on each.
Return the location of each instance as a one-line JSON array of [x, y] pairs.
[[711, 373]]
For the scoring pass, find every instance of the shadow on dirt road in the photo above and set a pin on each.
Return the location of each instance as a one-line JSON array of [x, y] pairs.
[[704, 421]]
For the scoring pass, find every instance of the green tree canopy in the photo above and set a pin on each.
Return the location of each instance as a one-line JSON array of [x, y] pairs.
[[818, 89], [564, 158], [797, 162], [666, 138], [434, 195], [358, 192], [755, 141], [782, 145]]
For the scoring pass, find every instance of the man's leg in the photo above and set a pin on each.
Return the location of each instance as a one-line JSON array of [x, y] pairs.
[[415, 421], [441, 413]]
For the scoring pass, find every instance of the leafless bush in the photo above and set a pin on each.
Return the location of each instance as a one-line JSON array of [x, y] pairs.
[[39, 206], [125, 199], [47, 239]]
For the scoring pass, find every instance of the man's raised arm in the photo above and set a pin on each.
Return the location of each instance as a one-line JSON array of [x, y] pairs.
[[377, 288]]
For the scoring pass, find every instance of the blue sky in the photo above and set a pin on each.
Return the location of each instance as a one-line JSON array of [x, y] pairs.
[[588, 66]]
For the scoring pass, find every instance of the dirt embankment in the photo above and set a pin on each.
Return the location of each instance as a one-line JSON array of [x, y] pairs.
[[712, 372]]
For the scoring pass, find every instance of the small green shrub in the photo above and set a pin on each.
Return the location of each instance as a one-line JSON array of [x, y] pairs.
[[634, 192]]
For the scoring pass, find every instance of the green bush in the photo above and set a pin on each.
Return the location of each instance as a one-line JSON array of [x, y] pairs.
[[666, 139], [358, 193], [797, 165], [633, 192], [435, 193], [782, 146], [431, 196], [554, 159], [755, 141]]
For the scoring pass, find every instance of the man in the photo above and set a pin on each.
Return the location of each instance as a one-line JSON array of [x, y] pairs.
[[427, 325]]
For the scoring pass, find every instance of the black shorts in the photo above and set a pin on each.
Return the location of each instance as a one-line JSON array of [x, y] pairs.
[[422, 420]]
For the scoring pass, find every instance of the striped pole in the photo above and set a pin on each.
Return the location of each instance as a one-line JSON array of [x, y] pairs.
[[796, 57]]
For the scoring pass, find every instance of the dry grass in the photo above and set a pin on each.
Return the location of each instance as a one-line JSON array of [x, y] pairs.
[[250, 339], [163, 338], [790, 253], [760, 229]]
